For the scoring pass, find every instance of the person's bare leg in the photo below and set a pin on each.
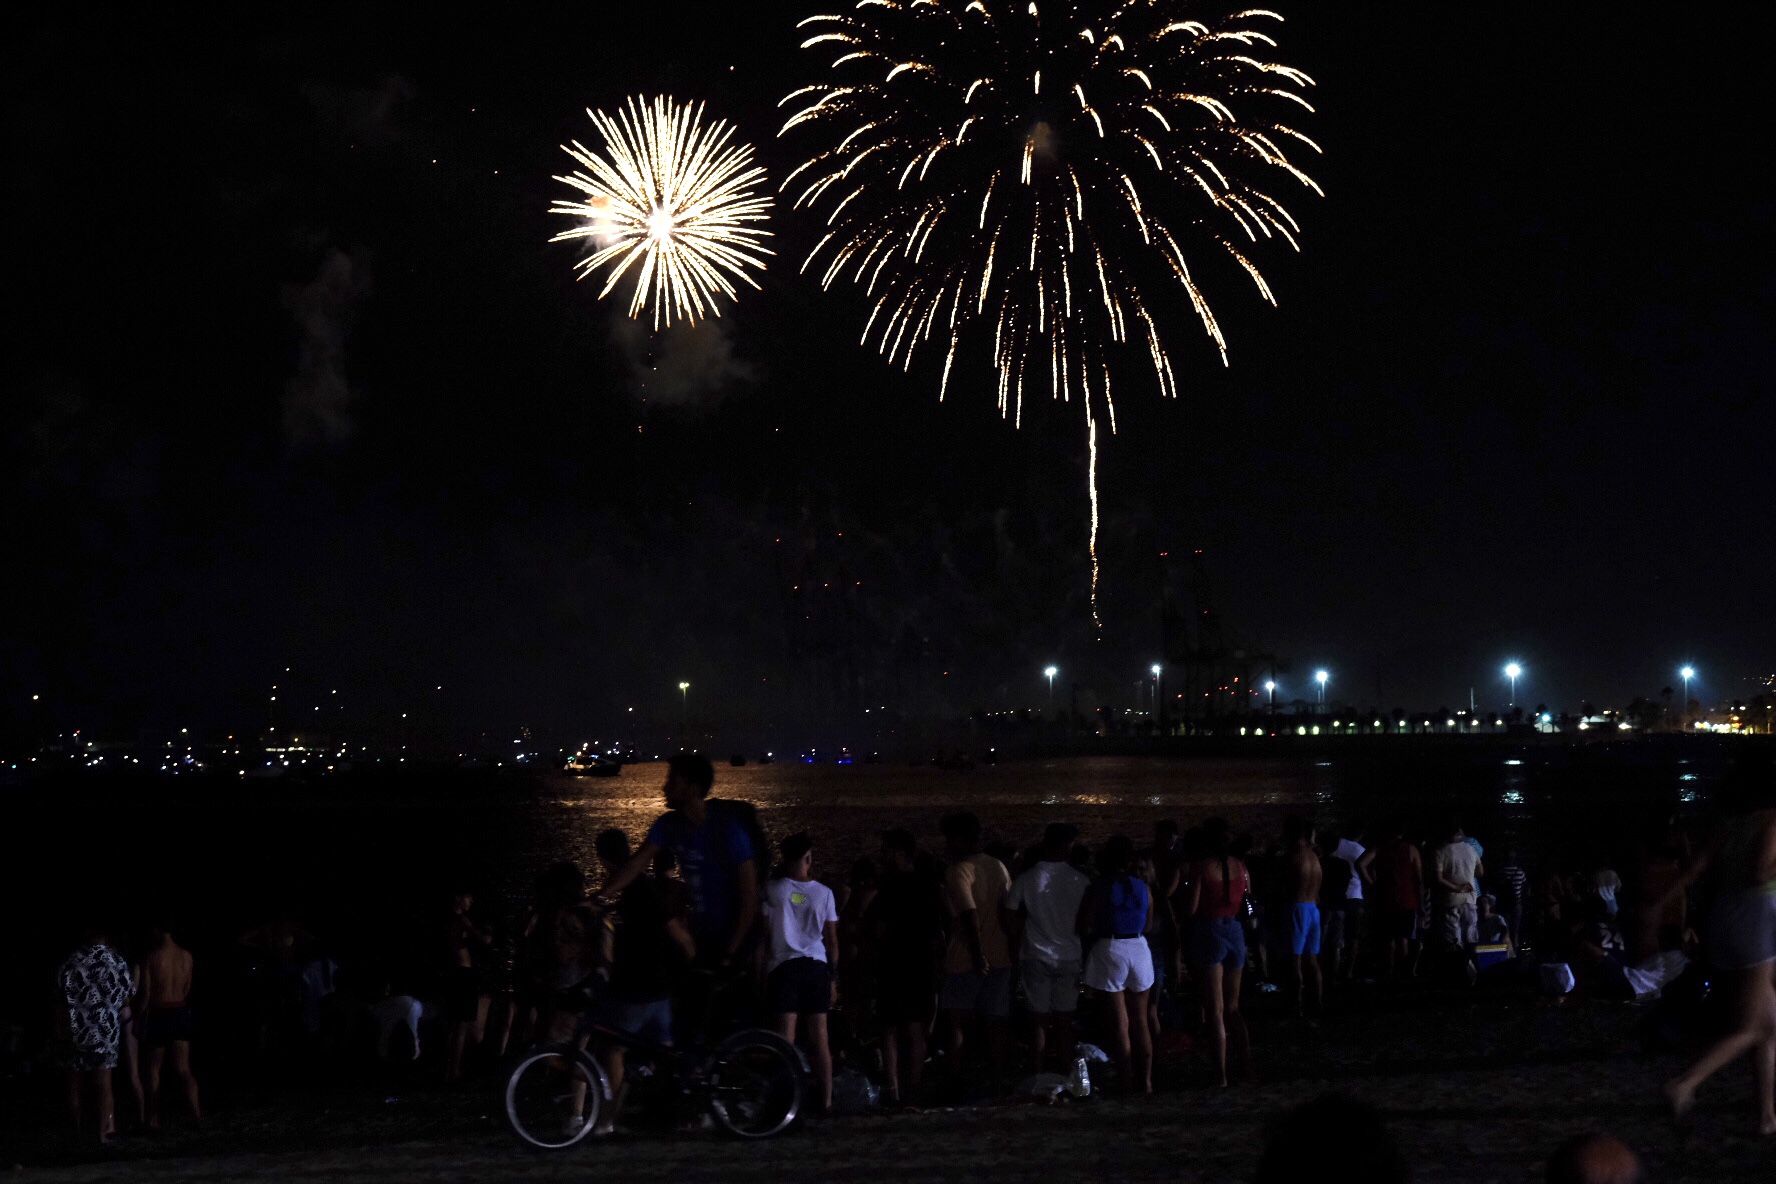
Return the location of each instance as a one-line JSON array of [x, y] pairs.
[[151, 1069], [132, 1071], [820, 1053], [1141, 1043], [953, 1022], [483, 1008], [891, 1062], [1214, 1017], [74, 1089], [1751, 1031], [1038, 1039], [1765, 1060], [1119, 1038], [187, 1079], [1234, 1023], [916, 1055], [107, 1105], [453, 1057]]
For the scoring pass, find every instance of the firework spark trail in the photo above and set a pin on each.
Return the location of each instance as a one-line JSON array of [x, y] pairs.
[[674, 195], [1128, 142]]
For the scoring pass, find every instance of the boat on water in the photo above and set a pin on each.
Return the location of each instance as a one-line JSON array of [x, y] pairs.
[[591, 764]]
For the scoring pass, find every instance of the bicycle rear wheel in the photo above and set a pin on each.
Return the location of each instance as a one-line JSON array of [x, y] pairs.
[[756, 1084], [553, 1097]]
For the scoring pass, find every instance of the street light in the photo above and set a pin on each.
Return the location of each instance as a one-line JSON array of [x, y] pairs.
[[1687, 673], [1512, 671], [1322, 677], [1158, 687], [1049, 672], [1270, 688], [684, 711]]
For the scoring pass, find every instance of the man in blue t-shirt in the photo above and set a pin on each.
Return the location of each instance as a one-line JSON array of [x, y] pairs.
[[715, 856]]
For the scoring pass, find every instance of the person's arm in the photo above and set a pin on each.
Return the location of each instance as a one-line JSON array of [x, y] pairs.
[[1418, 869], [961, 887], [829, 934], [1088, 908], [632, 871], [681, 937], [1364, 871], [1196, 891], [747, 914]]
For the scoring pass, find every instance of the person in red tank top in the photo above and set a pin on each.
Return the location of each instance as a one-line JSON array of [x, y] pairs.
[[1399, 892]]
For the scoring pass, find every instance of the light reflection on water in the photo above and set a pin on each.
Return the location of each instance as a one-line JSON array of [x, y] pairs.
[[847, 808]]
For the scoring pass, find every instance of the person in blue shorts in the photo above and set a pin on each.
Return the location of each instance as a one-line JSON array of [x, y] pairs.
[[1301, 866]]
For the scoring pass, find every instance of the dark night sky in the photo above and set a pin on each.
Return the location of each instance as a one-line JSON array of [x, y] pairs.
[[293, 379]]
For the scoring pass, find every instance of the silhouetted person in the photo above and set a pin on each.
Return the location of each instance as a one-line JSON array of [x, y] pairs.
[[1114, 915], [1302, 870], [168, 1021], [648, 946], [906, 932], [1742, 945], [1215, 939], [1045, 899], [977, 964], [92, 986], [802, 927], [467, 944]]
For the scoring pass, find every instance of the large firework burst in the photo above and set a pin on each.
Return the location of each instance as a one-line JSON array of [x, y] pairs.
[[1053, 172], [674, 194]]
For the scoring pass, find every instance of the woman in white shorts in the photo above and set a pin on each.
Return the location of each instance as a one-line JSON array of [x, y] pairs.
[[1113, 917]]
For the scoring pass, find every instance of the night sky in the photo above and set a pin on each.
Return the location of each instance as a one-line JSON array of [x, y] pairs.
[[293, 379]]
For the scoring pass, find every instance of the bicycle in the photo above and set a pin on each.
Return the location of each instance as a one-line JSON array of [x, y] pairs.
[[753, 1084]]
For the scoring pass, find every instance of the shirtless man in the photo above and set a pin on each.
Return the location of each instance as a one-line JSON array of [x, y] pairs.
[[1303, 874], [165, 1007]]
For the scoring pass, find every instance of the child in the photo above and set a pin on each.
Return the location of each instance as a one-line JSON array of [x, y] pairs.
[[802, 921]]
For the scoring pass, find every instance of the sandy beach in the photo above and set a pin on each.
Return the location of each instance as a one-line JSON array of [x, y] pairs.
[[1477, 1090]]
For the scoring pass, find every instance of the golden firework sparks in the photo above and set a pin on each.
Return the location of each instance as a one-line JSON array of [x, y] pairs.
[[1146, 152], [673, 198]]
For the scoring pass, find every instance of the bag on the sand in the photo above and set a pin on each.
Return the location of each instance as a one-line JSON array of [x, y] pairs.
[[1557, 978], [853, 1093]]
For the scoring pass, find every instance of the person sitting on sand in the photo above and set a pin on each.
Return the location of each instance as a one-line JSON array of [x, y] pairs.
[[167, 1021], [802, 958], [1303, 873], [1045, 899], [1492, 928]]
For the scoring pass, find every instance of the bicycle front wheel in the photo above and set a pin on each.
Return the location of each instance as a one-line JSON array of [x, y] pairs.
[[553, 1097], [756, 1084]]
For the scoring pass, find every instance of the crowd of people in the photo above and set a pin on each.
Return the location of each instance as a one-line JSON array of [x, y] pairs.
[[966, 972]]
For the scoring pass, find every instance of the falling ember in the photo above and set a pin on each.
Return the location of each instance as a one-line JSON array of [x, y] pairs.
[[1131, 171], [1091, 485], [674, 195]]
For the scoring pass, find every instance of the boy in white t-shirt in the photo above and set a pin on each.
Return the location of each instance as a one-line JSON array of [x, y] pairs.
[[802, 924], [1046, 899]]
